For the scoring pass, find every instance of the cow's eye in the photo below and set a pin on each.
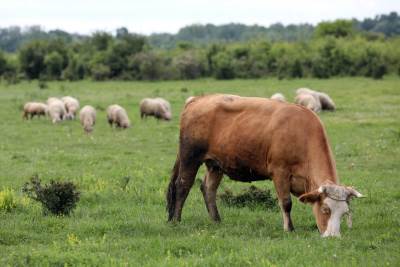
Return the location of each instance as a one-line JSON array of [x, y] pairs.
[[325, 209]]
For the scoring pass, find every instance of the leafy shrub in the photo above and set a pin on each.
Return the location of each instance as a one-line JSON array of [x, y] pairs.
[[252, 197], [3, 63], [7, 200], [74, 71], [375, 64], [57, 197], [147, 66], [54, 65], [223, 66], [100, 72], [189, 65], [338, 28], [31, 59]]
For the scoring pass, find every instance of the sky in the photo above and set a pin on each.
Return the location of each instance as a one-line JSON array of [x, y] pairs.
[[151, 16]]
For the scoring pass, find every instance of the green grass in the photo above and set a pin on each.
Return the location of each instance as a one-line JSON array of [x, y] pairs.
[[112, 226]]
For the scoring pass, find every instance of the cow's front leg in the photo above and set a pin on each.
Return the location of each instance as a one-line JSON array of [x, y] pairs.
[[282, 187]]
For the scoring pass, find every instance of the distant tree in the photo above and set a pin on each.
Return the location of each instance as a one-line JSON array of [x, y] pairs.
[[54, 65], [338, 28], [60, 46], [147, 66], [3, 63], [190, 66], [75, 69], [100, 72], [184, 45], [121, 50], [211, 51], [121, 32], [31, 58], [223, 67], [10, 38], [388, 24], [101, 40]]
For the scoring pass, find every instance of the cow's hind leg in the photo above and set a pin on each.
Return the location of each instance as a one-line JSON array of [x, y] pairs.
[[209, 188], [187, 175], [282, 187]]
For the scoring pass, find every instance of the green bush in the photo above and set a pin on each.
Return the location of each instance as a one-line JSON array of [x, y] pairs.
[[7, 200], [31, 59], [3, 63], [75, 70], [374, 64], [100, 72], [57, 197], [252, 197], [147, 66], [189, 66], [54, 65], [338, 28], [223, 66]]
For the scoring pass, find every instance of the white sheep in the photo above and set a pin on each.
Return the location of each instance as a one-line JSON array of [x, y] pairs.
[[71, 106], [34, 108], [279, 97], [157, 107], [117, 115], [308, 101], [325, 101], [87, 116], [56, 109]]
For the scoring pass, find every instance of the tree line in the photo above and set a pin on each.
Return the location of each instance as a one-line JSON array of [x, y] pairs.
[[339, 48]]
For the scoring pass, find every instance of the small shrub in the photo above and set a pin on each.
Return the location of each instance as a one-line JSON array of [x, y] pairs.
[[57, 197], [42, 84], [100, 72], [252, 197], [7, 200]]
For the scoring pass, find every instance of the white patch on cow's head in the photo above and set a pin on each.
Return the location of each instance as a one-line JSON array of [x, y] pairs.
[[337, 200], [337, 210]]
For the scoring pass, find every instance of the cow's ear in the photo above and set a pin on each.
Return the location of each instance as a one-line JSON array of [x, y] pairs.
[[311, 197]]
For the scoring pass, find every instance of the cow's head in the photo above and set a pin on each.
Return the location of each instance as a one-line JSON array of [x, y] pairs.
[[330, 202]]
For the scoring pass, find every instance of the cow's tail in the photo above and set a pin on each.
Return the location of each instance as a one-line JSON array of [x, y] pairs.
[[171, 193]]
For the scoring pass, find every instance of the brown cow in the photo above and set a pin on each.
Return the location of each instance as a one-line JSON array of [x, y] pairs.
[[252, 139]]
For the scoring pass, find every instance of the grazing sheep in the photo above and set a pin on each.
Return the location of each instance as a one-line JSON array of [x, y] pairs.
[[326, 102], [34, 108], [71, 106], [157, 107], [165, 103], [87, 116], [52, 99], [117, 115], [308, 101], [56, 109], [279, 97]]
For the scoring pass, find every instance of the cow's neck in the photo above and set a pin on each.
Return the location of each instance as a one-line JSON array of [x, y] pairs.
[[322, 169]]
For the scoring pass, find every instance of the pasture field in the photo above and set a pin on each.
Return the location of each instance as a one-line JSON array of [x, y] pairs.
[[116, 227]]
